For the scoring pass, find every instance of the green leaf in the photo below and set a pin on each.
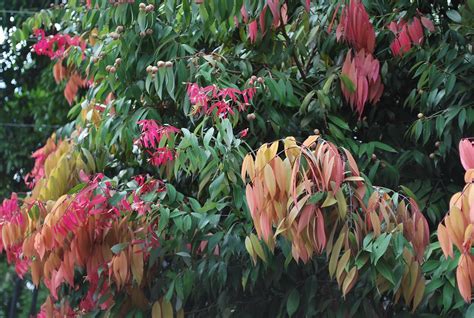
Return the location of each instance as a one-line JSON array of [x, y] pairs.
[[338, 122], [348, 83], [315, 198], [470, 311], [383, 146], [293, 302], [454, 15], [380, 246], [117, 248], [183, 254], [385, 271]]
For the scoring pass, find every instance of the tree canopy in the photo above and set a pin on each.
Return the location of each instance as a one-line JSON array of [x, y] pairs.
[[241, 158]]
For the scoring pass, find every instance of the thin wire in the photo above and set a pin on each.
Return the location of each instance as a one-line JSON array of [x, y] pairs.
[[19, 11], [28, 125]]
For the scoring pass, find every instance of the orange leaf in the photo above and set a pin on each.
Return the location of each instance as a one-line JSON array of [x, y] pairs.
[[463, 280], [445, 241], [270, 181], [419, 292], [349, 281]]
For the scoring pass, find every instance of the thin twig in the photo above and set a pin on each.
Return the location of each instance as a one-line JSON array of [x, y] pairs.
[[288, 44]]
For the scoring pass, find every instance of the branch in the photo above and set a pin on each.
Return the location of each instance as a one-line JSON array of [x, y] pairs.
[[288, 44]]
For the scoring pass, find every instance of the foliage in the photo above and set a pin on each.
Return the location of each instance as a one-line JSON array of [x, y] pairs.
[[140, 209]]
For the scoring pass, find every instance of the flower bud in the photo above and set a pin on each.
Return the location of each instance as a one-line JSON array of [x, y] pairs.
[[150, 8], [251, 117]]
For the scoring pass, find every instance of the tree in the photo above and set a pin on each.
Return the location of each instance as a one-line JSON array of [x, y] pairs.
[[167, 194]]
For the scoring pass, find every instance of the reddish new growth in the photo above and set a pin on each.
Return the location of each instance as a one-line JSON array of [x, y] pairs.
[[151, 135], [279, 14], [355, 27], [211, 98], [363, 71], [40, 156], [408, 34], [54, 46], [11, 220]]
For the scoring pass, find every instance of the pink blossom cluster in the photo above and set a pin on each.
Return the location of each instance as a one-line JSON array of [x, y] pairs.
[[211, 98], [54, 46], [150, 138], [408, 34], [363, 71]]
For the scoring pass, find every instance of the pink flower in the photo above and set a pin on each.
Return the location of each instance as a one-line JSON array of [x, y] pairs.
[[466, 152], [363, 71], [355, 27]]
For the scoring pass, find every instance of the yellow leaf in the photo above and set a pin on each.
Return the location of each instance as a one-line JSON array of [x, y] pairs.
[[137, 264], [248, 246], [156, 310], [270, 181], [248, 168], [167, 309], [311, 140], [330, 200], [343, 262], [257, 247], [292, 151], [353, 178], [341, 203], [419, 292], [349, 281], [272, 150], [335, 254]]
